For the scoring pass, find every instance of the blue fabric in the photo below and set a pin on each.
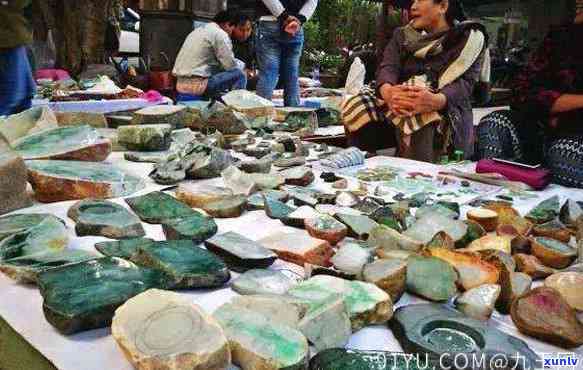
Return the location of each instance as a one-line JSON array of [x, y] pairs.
[[278, 56], [16, 83], [234, 79], [180, 97]]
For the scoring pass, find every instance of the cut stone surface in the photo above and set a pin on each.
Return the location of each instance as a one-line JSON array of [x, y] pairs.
[[513, 285], [55, 181], [173, 115], [159, 329], [347, 199], [259, 343], [509, 216], [84, 296], [188, 266], [545, 211], [280, 309], [366, 303], [299, 248], [49, 236], [496, 257], [267, 181], [532, 266], [327, 228], [340, 359], [299, 216], [479, 302], [544, 314], [19, 222], [388, 274], [299, 176], [436, 330], [394, 253], [472, 270], [255, 201], [25, 269], [569, 285], [431, 278], [262, 282], [238, 181], [197, 228], [79, 143], [145, 137], [198, 195], [13, 181], [30, 121], [276, 209], [491, 242], [358, 226], [485, 217], [351, 258], [147, 157], [157, 207], [328, 325], [552, 252], [554, 229], [96, 120], [426, 227], [230, 207], [475, 232], [104, 218], [125, 249], [385, 238], [240, 253]]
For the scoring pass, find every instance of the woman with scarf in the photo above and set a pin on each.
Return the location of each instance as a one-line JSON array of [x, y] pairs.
[[424, 86], [545, 125]]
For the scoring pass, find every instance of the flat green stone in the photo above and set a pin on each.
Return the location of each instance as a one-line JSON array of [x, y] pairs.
[[260, 281], [327, 326], [50, 235], [197, 228], [266, 344], [188, 266], [85, 295], [173, 115], [145, 137], [104, 218], [60, 143], [122, 248], [147, 157], [435, 330], [358, 226], [16, 223], [26, 269], [57, 180], [276, 209], [556, 246], [157, 207], [431, 278], [350, 359], [267, 181], [545, 211], [230, 207], [256, 201], [240, 253]]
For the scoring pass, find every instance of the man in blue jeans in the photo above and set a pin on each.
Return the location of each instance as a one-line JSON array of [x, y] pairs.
[[206, 64], [280, 42]]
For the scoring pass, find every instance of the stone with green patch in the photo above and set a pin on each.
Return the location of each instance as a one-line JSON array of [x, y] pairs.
[[261, 281], [105, 218], [239, 252], [158, 207], [229, 207], [431, 278], [145, 138], [197, 228]]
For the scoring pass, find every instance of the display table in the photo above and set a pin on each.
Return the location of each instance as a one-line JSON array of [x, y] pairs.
[[27, 341], [100, 106]]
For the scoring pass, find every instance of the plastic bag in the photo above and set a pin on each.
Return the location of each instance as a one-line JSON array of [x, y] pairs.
[[356, 76]]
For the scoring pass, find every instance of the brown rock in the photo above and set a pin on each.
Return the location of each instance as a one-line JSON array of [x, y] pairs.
[[299, 248], [96, 120], [532, 266], [230, 207], [544, 314], [552, 252], [13, 178], [485, 217], [197, 195], [513, 285], [554, 230], [519, 243], [509, 216], [388, 274], [326, 228], [501, 243]]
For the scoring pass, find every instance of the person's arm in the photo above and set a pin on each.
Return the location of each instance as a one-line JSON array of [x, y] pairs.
[[223, 48], [460, 91], [275, 7], [307, 11], [567, 103]]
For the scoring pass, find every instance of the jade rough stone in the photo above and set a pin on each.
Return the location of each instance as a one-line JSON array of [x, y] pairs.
[[239, 252], [104, 218], [197, 228], [145, 137], [157, 207], [431, 278], [16, 223], [122, 248], [48, 236]]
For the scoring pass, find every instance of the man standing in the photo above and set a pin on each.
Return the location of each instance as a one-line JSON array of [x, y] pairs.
[[280, 42], [206, 64], [16, 83]]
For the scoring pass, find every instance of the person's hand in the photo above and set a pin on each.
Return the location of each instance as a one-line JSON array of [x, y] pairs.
[[292, 25], [250, 73], [423, 100], [397, 100]]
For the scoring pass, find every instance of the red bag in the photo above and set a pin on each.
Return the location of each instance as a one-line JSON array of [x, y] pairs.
[[537, 178]]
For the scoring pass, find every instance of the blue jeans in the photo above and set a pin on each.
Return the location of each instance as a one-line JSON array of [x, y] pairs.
[[233, 79], [16, 83], [278, 55]]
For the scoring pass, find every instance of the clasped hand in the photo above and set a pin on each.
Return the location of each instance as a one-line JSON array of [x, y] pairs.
[[406, 101], [292, 25]]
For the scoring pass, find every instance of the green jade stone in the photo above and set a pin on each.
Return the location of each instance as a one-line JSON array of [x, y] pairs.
[[268, 342], [49, 236], [145, 137], [230, 207], [58, 142], [84, 296], [358, 226], [259, 281], [157, 207], [557, 246], [188, 266], [197, 228], [431, 278], [276, 209], [256, 202], [434, 330], [122, 248], [240, 253], [104, 218], [349, 359], [545, 211], [19, 222]]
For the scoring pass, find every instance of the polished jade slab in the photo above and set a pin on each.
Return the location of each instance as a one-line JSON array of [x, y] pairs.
[[50, 235], [62, 140], [187, 265], [15, 223], [85, 295], [157, 207], [197, 228], [122, 248], [349, 359], [105, 218], [120, 183], [239, 252]]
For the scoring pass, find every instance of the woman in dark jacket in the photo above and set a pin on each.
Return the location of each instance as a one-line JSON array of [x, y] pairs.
[[545, 124], [425, 84]]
